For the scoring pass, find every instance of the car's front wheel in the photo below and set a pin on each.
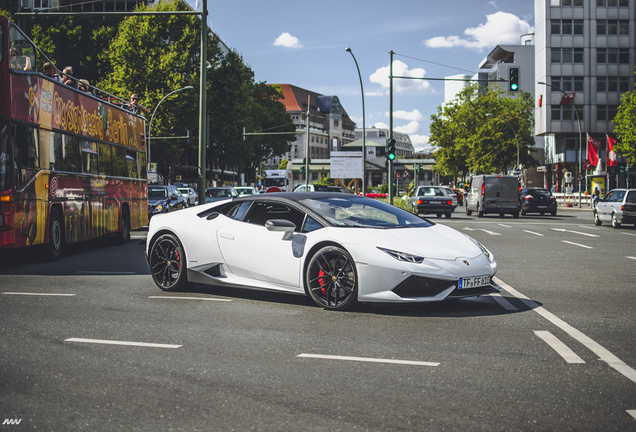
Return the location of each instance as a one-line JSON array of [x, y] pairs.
[[597, 220], [331, 278], [167, 263]]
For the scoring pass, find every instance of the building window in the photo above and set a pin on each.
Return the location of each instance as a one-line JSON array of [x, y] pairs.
[[612, 55], [612, 27], [570, 143], [566, 3], [565, 112], [606, 112], [567, 55], [601, 3], [566, 27], [568, 83]]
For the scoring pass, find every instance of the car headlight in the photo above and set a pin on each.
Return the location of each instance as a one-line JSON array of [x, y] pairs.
[[483, 248], [158, 209], [403, 256]]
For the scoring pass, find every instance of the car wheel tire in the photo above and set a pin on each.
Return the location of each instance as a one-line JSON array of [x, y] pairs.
[[56, 236], [123, 236], [502, 214], [439, 215], [542, 213], [615, 223], [523, 213], [553, 213], [331, 279], [597, 221], [515, 215], [480, 212], [468, 212], [448, 215], [167, 263]]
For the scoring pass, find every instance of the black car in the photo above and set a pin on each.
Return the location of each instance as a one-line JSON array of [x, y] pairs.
[[164, 199], [538, 200]]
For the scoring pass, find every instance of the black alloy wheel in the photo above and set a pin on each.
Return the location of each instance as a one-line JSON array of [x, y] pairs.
[[331, 279], [167, 263]]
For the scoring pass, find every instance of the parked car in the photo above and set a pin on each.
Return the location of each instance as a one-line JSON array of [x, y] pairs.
[[189, 194], [164, 199], [245, 190], [376, 194], [336, 248], [220, 193], [617, 207], [320, 188], [453, 196], [494, 193], [431, 200], [460, 196], [538, 200]]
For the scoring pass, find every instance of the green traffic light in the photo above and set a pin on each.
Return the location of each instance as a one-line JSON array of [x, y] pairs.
[[391, 156], [514, 86]]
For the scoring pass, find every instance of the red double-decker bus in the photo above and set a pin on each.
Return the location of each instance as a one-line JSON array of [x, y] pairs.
[[72, 166]]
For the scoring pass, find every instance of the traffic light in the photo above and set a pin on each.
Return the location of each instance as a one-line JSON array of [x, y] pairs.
[[302, 169], [390, 149], [513, 79]]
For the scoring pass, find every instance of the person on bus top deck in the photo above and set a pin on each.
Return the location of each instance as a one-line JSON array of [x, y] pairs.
[[18, 61], [67, 75], [83, 86], [134, 106], [49, 71]]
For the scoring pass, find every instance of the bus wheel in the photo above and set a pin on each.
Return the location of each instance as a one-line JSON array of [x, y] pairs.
[[123, 236], [56, 236]]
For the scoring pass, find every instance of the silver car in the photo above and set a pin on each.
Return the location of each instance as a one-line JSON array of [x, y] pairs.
[[617, 207], [189, 194]]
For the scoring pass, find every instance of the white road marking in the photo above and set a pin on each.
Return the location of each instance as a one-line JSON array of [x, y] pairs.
[[634, 258], [532, 232], [631, 234], [576, 244], [593, 346], [503, 302], [38, 294], [189, 298], [468, 229], [368, 360], [590, 227], [489, 232], [112, 342], [632, 413], [561, 348], [575, 232], [505, 226]]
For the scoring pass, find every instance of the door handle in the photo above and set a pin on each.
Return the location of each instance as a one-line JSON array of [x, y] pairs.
[[227, 236]]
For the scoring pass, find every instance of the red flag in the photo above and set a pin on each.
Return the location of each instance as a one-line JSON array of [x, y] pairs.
[[592, 150], [611, 154]]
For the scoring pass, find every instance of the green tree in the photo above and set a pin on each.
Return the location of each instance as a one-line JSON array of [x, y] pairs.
[[625, 121]]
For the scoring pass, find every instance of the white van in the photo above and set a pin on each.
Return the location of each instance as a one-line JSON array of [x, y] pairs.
[[494, 194]]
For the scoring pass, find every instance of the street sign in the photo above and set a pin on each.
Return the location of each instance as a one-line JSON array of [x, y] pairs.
[[406, 174], [579, 178], [517, 171]]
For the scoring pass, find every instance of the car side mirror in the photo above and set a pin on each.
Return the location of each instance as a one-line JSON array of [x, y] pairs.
[[282, 225]]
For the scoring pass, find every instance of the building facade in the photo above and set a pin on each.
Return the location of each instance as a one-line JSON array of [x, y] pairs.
[[585, 53]]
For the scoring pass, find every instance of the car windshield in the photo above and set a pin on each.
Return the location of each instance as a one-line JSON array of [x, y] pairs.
[[157, 193], [217, 193], [430, 191], [245, 191], [184, 190], [357, 211], [631, 197], [543, 192]]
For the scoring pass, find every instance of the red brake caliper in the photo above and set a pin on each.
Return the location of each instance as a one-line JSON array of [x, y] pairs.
[[321, 280]]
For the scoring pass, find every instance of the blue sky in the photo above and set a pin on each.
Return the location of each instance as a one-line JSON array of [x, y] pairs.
[[303, 43]]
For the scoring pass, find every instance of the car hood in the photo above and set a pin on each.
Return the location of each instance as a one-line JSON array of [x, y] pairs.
[[434, 242], [154, 202]]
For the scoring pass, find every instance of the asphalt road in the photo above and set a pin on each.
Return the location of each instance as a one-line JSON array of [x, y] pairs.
[[89, 343]]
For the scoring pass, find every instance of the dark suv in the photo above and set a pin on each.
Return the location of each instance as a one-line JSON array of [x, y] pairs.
[[164, 199], [538, 200]]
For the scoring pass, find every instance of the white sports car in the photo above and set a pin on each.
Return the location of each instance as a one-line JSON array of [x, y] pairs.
[[337, 248]]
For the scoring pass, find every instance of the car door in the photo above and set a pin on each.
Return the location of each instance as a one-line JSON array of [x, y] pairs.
[[250, 250], [614, 206], [603, 207]]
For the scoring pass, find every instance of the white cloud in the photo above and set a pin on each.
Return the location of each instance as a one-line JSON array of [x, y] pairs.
[[381, 125], [500, 28], [381, 76], [414, 115], [410, 128], [287, 41], [420, 142]]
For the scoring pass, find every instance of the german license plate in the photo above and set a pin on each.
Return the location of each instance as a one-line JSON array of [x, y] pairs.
[[542, 206], [474, 282]]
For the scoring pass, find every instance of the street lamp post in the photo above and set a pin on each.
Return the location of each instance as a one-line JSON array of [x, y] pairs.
[[153, 116], [513, 132], [364, 130], [580, 134]]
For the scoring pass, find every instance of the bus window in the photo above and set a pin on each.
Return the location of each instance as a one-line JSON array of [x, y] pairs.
[[5, 159], [89, 157], [22, 52], [131, 161], [141, 161], [120, 162], [72, 159], [25, 154], [105, 159]]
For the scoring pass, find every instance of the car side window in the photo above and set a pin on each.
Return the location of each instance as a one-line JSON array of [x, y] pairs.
[[619, 196], [631, 197], [261, 212], [609, 197], [311, 224], [237, 211]]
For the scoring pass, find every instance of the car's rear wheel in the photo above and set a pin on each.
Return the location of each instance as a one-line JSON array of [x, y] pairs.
[[480, 212], [447, 215], [468, 212], [331, 278], [123, 236], [439, 215], [167, 263], [53, 248], [615, 222], [597, 221]]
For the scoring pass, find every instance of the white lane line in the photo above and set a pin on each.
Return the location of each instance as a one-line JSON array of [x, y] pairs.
[[189, 298], [368, 360], [503, 302], [505, 226], [112, 342], [576, 244], [631, 234], [468, 229], [575, 232], [535, 233], [634, 258], [632, 413], [38, 294], [562, 349], [489, 232], [597, 349]]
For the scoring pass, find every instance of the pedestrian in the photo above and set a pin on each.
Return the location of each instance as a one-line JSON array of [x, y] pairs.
[[134, 106]]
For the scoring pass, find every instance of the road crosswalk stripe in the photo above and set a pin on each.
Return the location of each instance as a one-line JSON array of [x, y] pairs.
[[561, 348]]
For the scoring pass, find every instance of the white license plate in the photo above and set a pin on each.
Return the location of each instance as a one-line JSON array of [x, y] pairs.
[[474, 282], [542, 206]]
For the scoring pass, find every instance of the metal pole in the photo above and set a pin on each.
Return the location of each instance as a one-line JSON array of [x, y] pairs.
[[580, 134], [364, 130], [203, 130], [390, 125], [153, 116], [307, 146]]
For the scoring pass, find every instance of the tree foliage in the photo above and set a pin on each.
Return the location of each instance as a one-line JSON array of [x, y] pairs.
[[625, 121], [480, 131]]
